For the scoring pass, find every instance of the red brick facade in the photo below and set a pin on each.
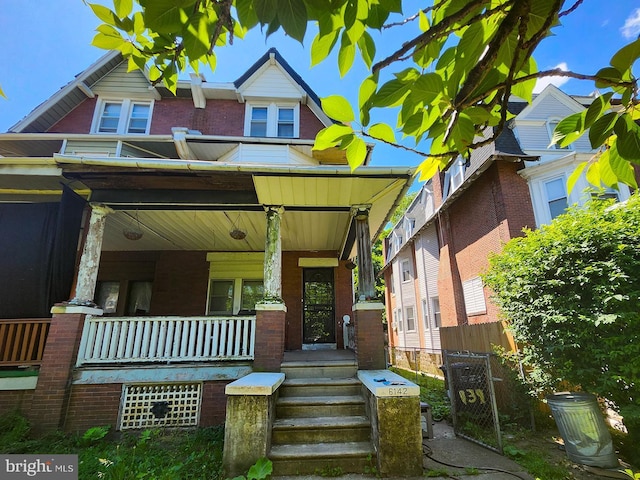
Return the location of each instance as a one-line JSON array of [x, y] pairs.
[[369, 339], [16, 400]]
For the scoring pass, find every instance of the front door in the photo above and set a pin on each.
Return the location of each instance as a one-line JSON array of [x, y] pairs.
[[318, 306]]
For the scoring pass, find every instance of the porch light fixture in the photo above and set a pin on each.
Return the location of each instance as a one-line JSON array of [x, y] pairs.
[[133, 231]]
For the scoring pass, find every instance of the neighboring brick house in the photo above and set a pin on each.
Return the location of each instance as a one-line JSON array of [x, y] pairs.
[[185, 241], [436, 253]]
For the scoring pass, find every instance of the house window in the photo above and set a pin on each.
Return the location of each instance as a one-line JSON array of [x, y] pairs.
[[272, 120], [556, 196], [410, 226], [258, 122], [220, 297], [425, 314], [107, 294], [406, 270], [139, 299], [474, 296], [454, 176], [252, 293], [398, 242], [399, 320], [286, 122], [435, 312], [123, 117], [393, 285], [411, 319]]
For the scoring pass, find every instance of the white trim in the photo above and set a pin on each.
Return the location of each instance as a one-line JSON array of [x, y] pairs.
[[272, 117], [473, 293], [126, 108]]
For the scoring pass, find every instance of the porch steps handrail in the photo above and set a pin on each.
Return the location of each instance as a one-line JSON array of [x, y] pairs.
[[166, 339], [22, 341]]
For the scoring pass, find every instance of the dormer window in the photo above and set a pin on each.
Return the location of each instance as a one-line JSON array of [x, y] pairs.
[[123, 117], [272, 120], [551, 126], [454, 176]]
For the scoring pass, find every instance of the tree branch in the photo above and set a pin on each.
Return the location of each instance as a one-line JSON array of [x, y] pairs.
[[570, 10]]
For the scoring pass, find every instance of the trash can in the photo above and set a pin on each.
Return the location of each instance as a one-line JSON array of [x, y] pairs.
[[581, 425]]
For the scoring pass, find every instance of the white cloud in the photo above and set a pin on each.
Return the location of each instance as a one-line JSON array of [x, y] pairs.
[[541, 83], [631, 28]]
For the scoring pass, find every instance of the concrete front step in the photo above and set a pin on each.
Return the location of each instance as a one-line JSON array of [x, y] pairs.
[[355, 428], [300, 387], [326, 369], [326, 459], [320, 406]]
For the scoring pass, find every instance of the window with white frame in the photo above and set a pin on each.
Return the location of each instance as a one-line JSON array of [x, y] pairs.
[[435, 312], [411, 319], [556, 194], [234, 296], [397, 240], [393, 284], [473, 292], [410, 225], [405, 266], [454, 176], [399, 320], [272, 120], [123, 117], [425, 314]]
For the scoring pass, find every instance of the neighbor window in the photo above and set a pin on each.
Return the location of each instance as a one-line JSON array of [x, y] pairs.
[[399, 319], [435, 312], [220, 297], [474, 296], [110, 297], [139, 299], [411, 319], [425, 314], [556, 196], [406, 270], [551, 126], [252, 293], [272, 120], [123, 117], [234, 296]]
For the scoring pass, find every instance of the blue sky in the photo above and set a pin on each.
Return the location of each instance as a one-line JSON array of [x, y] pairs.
[[48, 42]]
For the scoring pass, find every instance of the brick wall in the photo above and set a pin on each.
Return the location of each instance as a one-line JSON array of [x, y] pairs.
[[180, 284], [369, 339], [77, 120], [19, 400], [270, 333], [214, 404]]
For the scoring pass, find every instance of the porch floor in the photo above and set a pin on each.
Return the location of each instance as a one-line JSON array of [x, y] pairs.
[[318, 356]]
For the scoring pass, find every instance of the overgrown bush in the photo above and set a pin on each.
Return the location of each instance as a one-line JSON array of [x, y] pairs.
[[570, 293]]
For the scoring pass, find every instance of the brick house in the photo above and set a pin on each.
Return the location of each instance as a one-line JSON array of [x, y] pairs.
[[160, 246], [438, 250]]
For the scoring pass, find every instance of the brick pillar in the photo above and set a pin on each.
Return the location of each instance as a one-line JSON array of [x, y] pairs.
[[51, 395], [369, 335], [270, 329]]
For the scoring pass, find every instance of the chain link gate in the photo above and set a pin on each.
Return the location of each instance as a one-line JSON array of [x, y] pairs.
[[474, 409]]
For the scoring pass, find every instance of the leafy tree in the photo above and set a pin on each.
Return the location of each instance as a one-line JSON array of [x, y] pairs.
[[570, 293], [450, 78], [402, 207]]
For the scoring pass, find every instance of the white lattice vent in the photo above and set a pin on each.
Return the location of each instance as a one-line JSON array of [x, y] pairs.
[[160, 405]]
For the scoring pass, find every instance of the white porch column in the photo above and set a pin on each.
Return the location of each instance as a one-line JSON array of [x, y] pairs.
[[90, 260], [273, 255], [366, 280]]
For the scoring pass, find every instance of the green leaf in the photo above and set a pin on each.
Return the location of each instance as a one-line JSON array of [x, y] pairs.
[[331, 136], [356, 153], [260, 470], [346, 54], [107, 42], [367, 49], [103, 13], [196, 37], [573, 178], [602, 128], [247, 15], [524, 90], [478, 115], [427, 88], [338, 108], [378, 14], [622, 169], [382, 131], [292, 15], [123, 7], [391, 93], [322, 46], [428, 168], [606, 173], [366, 91], [608, 73], [597, 108], [628, 142], [266, 10], [463, 132], [138, 23], [624, 58], [569, 129], [166, 16], [423, 22]]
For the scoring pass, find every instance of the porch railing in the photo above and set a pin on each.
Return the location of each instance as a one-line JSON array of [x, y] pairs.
[[22, 341], [166, 339]]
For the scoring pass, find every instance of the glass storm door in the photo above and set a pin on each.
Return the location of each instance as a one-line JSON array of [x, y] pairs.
[[318, 306]]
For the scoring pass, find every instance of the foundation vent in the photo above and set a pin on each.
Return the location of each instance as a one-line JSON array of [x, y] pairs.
[[160, 405]]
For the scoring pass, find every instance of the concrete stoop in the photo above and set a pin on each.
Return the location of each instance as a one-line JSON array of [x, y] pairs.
[[321, 425]]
